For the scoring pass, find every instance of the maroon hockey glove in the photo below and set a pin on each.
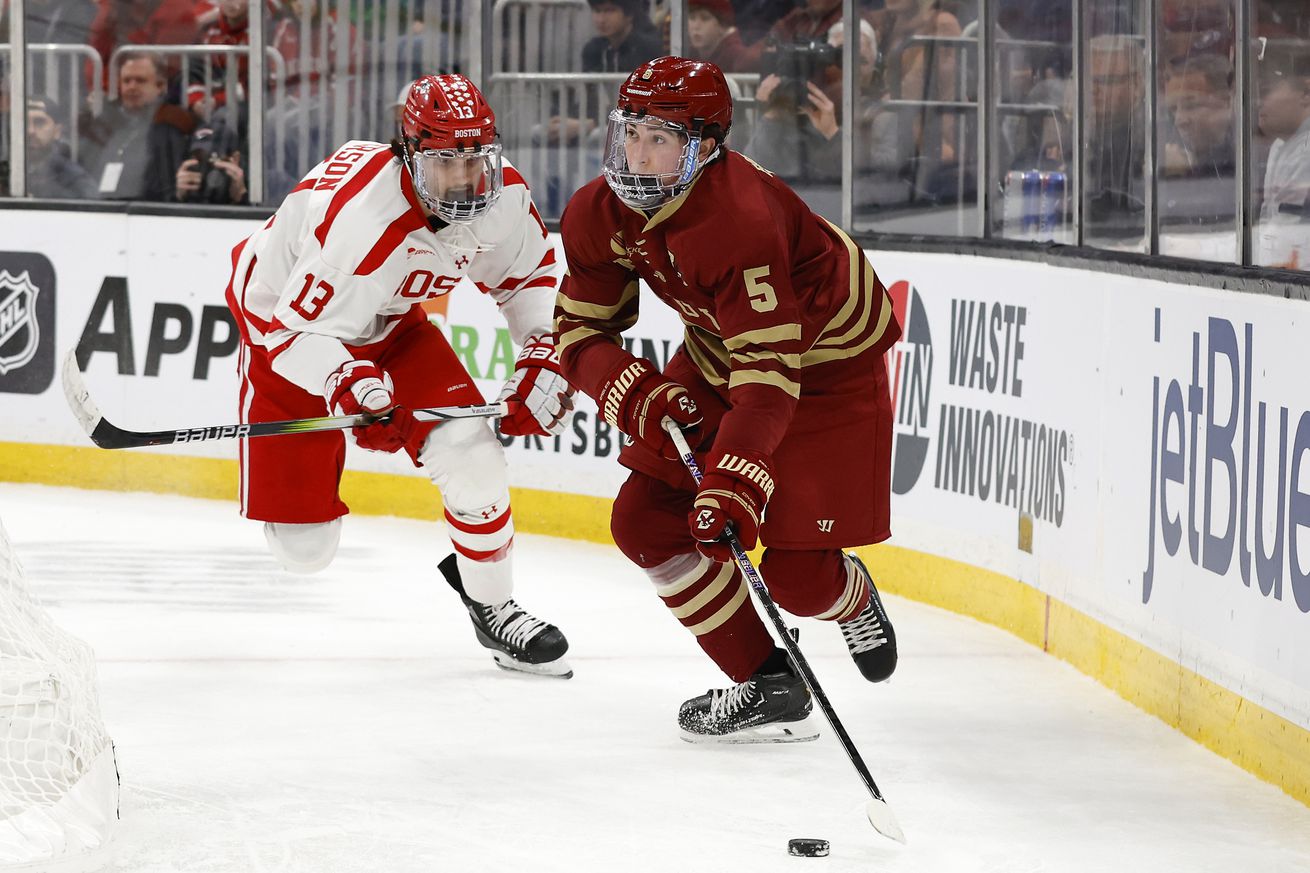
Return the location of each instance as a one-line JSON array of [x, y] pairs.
[[736, 487], [539, 397], [361, 387], [636, 398]]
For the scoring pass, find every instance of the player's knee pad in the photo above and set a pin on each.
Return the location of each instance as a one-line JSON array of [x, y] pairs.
[[808, 582], [303, 548], [647, 529], [466, 461]]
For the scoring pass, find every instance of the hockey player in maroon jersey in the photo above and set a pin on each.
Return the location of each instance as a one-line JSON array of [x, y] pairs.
[[327, 298], [780, 383]]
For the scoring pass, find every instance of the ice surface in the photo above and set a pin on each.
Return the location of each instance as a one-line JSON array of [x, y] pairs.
[[349, 722]]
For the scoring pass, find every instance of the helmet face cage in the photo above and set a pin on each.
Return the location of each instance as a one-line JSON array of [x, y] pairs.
[[458, 184], [647, 190]]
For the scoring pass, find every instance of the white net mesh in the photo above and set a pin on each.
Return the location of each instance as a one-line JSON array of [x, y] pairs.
[[58, 781]]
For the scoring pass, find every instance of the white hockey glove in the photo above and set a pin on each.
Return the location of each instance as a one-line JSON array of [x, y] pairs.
[[539, 396]]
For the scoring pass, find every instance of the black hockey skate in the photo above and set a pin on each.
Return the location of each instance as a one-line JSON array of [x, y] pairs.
[[769, 707], [518, 640], [869, 635]]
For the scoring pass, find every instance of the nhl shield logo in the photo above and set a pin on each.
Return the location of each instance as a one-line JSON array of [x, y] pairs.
[[27, 323], [20, 331]]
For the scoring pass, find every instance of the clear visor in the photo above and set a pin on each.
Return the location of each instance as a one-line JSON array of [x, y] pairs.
[[458, 185], [648, 161]]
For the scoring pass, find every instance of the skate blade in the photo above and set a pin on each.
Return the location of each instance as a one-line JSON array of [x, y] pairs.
[[557, 669], [802, 731]]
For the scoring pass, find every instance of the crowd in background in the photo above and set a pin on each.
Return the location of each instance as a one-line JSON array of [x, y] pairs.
[[174, 127]]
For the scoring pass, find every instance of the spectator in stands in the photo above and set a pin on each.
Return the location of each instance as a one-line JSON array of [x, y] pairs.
[[713, 34], [1198, 95], [1115, 184], [212, 172], [810, 20], [755, 18], [51, 170], [142, 22], [320, 21], [230, 27], [1189, 28], [1284, 214], [625, 37], [917, 62], [799, 140], [137, 143]]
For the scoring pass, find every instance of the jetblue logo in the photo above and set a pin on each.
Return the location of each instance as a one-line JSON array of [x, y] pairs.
[[1226, 469]]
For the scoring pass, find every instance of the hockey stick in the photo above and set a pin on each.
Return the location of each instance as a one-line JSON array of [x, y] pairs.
[[879, 813], [107, 435]]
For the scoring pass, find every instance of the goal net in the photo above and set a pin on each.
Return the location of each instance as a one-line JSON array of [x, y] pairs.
[[58, 779]]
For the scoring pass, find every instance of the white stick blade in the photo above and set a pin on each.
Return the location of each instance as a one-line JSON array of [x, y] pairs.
[[884, 820], [77, 395]]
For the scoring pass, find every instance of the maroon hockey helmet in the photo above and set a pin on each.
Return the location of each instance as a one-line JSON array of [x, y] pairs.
[[451, 150], [692, 94], [680, 97]]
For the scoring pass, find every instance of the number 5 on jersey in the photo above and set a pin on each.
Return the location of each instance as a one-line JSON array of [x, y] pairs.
[[760, 292], [311, 307]]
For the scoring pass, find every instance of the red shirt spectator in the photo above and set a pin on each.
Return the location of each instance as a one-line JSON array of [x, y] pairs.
[[811, 21], [231, 27], [714, 37], [322, 50], [142, 22]]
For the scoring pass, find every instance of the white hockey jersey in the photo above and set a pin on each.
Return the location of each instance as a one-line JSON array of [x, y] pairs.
[[350, 252]]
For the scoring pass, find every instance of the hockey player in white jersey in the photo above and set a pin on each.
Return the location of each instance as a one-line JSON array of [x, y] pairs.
[[327, 298]]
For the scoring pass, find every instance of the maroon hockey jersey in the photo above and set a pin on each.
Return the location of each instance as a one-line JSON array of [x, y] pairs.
[[778, 303]]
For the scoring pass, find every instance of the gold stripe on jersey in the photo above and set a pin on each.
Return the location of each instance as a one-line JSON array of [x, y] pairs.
[[705, 359], [820, 356], [712, 344], [866, 304], [852, 289], [723, 614], [608, 325], [701, 600], [759, 377], [790, 361], [578, 334], [598, 311], [777, 334]]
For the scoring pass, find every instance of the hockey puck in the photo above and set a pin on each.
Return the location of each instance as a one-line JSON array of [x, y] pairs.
[[807, 848]]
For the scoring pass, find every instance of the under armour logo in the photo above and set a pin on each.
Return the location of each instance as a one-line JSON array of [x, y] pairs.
[[825, 525], [704, 519], [489, 512], [461, 260]]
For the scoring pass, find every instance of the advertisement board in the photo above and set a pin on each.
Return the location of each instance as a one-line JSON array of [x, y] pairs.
[[1134, 449]]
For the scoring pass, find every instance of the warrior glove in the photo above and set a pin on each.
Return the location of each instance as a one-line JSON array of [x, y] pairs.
[[363, 388], [636, 398], [733, 492], [539, 396]]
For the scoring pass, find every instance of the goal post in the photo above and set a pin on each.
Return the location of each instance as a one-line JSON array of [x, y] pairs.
[[58, 777]]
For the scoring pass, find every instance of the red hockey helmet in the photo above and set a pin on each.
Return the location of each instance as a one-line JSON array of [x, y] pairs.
[[664, 99], [451, 147]]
